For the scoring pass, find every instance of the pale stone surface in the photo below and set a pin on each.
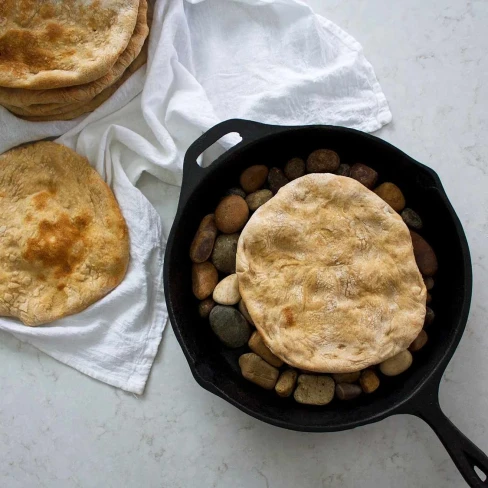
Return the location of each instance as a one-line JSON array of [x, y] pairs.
[[59, 428]]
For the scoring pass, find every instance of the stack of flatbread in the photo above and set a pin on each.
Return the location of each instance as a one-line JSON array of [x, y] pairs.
[[60, 59]]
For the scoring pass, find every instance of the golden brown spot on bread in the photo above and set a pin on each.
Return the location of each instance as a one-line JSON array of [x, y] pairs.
[[123, 228], [51, 187], [289, 319], [21, 47], [5, 7], [99, 18], [54, 31], [40, 199], [82, 221], [28, 218], [47, 11], [55, 246], [32, 43], [61, 286], [118, 267]]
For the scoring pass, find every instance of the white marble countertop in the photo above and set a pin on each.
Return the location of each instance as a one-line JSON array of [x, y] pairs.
[[61, 429]]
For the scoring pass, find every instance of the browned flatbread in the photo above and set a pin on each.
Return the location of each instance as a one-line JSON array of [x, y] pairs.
[[56, 43], [76, 110], [64, 243], [327, 271], [49, 102]]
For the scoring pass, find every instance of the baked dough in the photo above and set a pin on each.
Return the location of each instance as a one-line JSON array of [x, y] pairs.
[[56, 43], [64, 243], [327, 271], [70, 113], [50, 102]]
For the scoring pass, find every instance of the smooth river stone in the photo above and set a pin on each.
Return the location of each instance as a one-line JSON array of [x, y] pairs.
[[424, 255], [204, 279], [231, 214], [229, 326], [257, 370], [364, 174], [314, 390], [254, 177], [323, 161], [224, 253], [227, 291]]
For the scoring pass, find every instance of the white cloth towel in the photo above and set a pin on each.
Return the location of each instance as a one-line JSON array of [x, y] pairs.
[[269, 60]]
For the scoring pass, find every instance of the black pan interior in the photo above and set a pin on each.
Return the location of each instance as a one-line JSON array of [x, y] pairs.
[[215, 367]]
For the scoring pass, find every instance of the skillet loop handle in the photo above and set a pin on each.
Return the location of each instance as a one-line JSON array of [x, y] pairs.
[[246, 128], [462, 451], [192, 172]]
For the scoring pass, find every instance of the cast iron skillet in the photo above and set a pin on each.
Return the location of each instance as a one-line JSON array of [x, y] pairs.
[[215, 368]]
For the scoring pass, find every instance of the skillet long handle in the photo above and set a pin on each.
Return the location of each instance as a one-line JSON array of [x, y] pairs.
[[463, 452]]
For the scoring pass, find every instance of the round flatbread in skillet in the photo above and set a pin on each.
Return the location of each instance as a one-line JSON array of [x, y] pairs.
[[64, 243], [327, 271], [55, 43]]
